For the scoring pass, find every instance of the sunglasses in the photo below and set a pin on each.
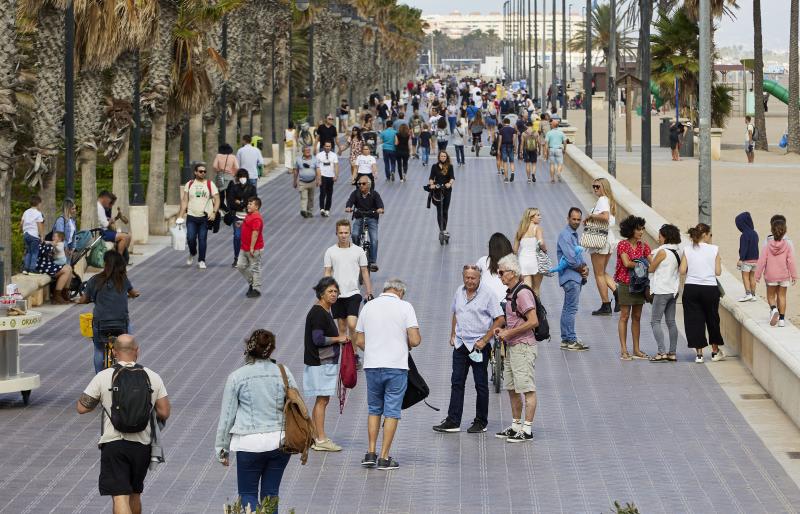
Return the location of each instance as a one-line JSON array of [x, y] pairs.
[[501, 272], [200, 171], [470, 266], [595, 187], [363, 183]]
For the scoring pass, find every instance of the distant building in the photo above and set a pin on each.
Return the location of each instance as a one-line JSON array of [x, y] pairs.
[[457, 24]]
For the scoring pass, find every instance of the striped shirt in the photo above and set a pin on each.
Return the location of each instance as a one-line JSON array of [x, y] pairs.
[[474, 316]]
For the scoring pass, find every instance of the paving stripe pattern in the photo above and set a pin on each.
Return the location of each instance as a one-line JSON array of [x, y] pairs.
[[662, 436]]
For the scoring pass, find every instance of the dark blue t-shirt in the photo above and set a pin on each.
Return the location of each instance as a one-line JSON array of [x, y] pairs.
[[109, 304]]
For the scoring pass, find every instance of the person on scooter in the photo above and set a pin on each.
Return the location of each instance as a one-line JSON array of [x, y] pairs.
[[440, 183]]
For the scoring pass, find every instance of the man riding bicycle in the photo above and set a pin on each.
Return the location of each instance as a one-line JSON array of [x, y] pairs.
[[366, 206]]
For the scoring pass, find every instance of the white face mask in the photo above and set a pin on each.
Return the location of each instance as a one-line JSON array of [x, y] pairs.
[[243, 181]]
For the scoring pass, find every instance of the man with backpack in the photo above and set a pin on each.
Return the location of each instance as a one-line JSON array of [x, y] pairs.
[[134, 400], [476, 315], [200, 204], [530, 152], [521, 350]]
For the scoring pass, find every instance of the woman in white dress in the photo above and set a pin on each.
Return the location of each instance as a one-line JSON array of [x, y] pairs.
[[604, 210], [529, 239]]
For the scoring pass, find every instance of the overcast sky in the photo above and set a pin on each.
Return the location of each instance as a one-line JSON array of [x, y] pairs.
[[774, 18]]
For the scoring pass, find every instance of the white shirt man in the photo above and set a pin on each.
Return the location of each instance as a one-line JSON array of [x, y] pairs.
[[250, 158], [386, 331], [345, 261]]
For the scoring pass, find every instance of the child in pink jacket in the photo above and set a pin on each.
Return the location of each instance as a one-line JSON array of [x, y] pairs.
[[776, 263]]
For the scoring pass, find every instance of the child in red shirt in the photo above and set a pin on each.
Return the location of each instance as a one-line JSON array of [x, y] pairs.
[[252, 247]]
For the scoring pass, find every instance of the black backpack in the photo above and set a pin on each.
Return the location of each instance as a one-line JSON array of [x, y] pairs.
[[542, 331], [131, 399], [417, 389]]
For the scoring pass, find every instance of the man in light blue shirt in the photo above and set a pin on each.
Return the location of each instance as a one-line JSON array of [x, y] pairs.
[[250, 158], [556, 141], [571, 279], [388, 149], [476, 314]]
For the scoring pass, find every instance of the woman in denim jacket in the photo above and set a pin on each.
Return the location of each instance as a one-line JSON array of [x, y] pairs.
[[251, 421]]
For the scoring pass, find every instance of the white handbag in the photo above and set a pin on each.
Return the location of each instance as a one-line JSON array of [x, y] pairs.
[[595, 235], [178, 234]]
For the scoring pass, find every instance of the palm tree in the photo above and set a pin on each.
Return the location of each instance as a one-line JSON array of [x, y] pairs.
[[8, 130], [154, 101], [118, 121], [758, 77], [48, 95], [675, 55], [601, 32], [794, 79]]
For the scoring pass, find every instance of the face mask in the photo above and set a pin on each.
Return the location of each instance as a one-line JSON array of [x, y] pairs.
[[243, 181], [476, 356]]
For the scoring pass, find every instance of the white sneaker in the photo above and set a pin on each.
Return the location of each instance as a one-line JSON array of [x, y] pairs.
[[781, 323], [746, 298], [753, 298], [190, 260], [773, 316], [201, 265], [699, 359], [719, 356]]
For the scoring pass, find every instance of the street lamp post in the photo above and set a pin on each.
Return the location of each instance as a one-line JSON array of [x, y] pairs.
[[553, 86], [530, 77], [569, 38], [646, 15], [137, 190], [587, 78], [706, 63], [223, 96], [612, 90], [564, 59], [69, 100], [535, 87]]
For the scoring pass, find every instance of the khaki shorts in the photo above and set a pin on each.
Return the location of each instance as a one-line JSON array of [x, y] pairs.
[[519, 368]]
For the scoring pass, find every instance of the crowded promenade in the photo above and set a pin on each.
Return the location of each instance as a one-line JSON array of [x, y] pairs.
[[606, 429]]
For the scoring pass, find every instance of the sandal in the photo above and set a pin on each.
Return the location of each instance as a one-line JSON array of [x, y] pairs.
[[625, 357], [672, 357], [659, 357], [641, 356]]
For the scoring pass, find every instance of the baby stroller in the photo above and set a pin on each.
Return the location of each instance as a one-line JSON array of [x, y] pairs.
[[85, 241]]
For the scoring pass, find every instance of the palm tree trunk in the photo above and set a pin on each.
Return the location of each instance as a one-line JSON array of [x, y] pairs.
[[89, 114], [8, 132], [120, 182], [155, 182], [794, 80], [758, 77], [211, 127], [174, 166], [87, 164], [230, 128], [196, 136]]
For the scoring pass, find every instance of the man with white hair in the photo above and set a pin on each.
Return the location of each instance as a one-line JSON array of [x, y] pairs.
[[387, 329], [521, 350]]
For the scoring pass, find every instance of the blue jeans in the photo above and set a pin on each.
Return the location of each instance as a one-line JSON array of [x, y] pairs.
[[460, 154], [426, 153], [253, 182], [389, 162], [461, 365], [264, 468], [572, 292], [31, 258], [507, 153], [372, 229], [196, 235], [451, 120], [100, 338], [237, 239], [386, 388]]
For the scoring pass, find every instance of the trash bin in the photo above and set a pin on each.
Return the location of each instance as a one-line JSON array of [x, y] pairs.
[[663, 140]]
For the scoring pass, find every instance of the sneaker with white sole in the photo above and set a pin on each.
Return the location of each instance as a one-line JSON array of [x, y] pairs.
[[387, 464], [753, 298], [773, 316], [520, 437], [201, 265], [564, 344], [190, 260], [576, 346], [717, 357], [698, 359], [781, 323], [446, 426], [326, 445], [505, 434], [745, 298]]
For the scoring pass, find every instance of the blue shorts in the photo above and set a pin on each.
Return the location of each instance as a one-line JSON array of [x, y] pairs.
[[557, 156], [386, 388], [109, 235], [507, 153]]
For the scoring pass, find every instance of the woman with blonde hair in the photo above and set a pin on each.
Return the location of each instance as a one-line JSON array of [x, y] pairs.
[[527, 243], [604, 211]]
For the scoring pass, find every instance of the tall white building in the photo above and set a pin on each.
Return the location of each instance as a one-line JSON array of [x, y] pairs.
[[457, 24]]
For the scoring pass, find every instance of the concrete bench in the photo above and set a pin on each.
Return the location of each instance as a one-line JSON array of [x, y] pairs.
[[34, 288]]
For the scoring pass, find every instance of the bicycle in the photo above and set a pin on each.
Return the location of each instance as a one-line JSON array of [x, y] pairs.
[[363, 236], [476, 143], [496, 361]]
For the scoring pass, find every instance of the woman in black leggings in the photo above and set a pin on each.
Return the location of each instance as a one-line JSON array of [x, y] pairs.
[[402, 145], [442, 178]]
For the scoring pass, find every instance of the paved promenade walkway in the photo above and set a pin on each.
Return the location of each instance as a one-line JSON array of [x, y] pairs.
[[663, 436]]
